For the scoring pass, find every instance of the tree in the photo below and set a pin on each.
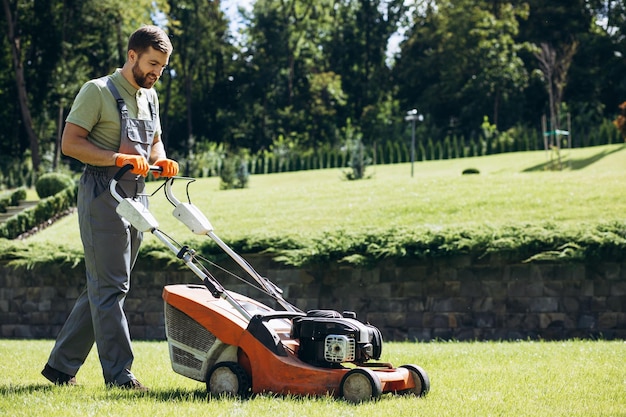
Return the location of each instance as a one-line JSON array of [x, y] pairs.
[[11, 13], [357, 52], [554, 65], [459, 56]]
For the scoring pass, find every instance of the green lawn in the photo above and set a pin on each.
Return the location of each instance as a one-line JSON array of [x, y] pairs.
[[512, 188], [573, 378]]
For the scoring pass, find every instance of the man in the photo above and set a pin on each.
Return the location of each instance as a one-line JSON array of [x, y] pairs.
[[114, 122]]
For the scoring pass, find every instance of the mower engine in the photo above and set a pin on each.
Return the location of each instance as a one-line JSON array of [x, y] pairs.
[[328, 339]]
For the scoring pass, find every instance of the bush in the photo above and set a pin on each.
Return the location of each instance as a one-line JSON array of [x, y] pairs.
[[234, 172], [470, 171], [12, 198], [51, 183], [46, 209]]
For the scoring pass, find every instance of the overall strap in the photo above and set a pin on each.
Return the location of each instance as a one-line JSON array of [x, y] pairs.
[[121, 105]]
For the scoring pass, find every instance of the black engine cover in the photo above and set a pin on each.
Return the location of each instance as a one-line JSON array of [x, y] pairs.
[[311, 331]]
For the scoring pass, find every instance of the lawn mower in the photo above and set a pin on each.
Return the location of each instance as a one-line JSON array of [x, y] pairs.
[[238, 345]]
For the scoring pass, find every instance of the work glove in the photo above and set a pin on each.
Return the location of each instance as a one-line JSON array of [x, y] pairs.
[[169, 168], [139, 163]]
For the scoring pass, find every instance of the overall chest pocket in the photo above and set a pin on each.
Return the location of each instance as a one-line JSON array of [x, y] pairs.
[[137, 137], [140, 131]]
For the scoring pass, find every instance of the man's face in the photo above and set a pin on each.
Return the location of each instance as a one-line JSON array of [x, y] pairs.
[[148, 67]]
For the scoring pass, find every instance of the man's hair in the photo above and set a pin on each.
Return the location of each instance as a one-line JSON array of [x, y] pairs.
[[149, 36]]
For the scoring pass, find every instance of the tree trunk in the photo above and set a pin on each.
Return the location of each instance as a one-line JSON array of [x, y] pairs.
[[22, 94]]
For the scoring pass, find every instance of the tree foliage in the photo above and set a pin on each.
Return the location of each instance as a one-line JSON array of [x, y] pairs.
[[300, 71]]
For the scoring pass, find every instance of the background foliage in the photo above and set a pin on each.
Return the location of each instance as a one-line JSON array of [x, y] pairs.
[[299, 79]]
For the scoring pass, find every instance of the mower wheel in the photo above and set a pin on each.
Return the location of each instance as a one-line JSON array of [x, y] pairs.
[[228, 378], [420, 377], [360, 384]]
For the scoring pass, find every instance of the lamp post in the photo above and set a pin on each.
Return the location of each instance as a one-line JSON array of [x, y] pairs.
[[412, 116]]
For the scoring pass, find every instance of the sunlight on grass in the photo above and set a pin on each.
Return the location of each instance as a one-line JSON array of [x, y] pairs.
[[573, 378], [511, 188]]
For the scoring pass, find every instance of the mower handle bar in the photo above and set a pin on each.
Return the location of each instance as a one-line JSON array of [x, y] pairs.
[[197, 222], [118, 176]]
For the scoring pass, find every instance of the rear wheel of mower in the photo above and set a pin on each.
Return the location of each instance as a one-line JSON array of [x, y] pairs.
[[420, 377], [228, 378], [360, 384]]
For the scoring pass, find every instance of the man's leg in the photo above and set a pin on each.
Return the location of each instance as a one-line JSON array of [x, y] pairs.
[[109, 248]]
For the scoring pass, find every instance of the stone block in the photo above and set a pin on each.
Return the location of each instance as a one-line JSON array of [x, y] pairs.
[[413, 320], [415, 305], [577, 288], [586, 321], [482, 304], [601, 287], [612, 270], [154, 319], [618, 289], [28, 307], [471, 289], [607, 320], [616, 304], [412, 289], [570, 304], [151, 305], [518, 304], [517, 288], [433, 320], [452, 304], [443, 334], [484, 320], [598, 304], [552, 288], [451, 288], [544, 304], [495, 289], [555, 320]]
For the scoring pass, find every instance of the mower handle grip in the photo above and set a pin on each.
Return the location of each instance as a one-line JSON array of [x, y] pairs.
[[123, 170], [118, 176]]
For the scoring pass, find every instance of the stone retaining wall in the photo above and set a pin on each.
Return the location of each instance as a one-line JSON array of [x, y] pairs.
[[421, 300]]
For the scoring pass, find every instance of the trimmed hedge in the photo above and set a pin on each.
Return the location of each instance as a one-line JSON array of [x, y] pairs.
[[521, 243], [46, 209], [52, 183], [12, 198]]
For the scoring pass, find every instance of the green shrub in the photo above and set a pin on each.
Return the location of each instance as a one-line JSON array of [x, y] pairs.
[[46, 209], [468, 171], [51, 183], [234, 172], [12, 198]]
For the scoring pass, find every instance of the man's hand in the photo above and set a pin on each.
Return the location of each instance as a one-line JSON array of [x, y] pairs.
[[169, 168], [139, 163]]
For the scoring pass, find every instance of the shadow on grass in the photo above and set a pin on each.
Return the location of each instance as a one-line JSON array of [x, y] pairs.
[[6, 390], [164, 395], [574, 163]]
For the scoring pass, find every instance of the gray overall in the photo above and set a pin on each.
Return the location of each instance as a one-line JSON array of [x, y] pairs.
[[111, 246]]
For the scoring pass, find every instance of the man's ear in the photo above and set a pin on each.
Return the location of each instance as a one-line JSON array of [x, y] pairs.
[[132, 56]]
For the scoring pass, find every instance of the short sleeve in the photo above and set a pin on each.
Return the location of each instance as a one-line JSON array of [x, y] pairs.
[[87, 106]]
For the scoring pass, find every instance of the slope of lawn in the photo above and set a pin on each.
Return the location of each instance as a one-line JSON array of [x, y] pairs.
[[512, 190]]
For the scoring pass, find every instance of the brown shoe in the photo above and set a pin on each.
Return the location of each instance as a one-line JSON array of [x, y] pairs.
[[134, 385], [57, 377]]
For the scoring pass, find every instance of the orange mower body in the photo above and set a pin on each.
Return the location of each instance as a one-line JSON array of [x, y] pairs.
[[211, 342]]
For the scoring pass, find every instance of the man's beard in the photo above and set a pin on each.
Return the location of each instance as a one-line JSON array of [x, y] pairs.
[[142, 79]]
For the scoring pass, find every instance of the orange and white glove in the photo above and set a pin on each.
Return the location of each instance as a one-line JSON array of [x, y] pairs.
[[169, 168], [139, 163]]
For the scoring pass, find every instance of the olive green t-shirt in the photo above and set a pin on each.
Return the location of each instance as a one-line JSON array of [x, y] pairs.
[[95, 109]]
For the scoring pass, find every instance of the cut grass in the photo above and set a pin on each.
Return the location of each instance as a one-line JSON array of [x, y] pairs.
[[510, 189], [572, 378]]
